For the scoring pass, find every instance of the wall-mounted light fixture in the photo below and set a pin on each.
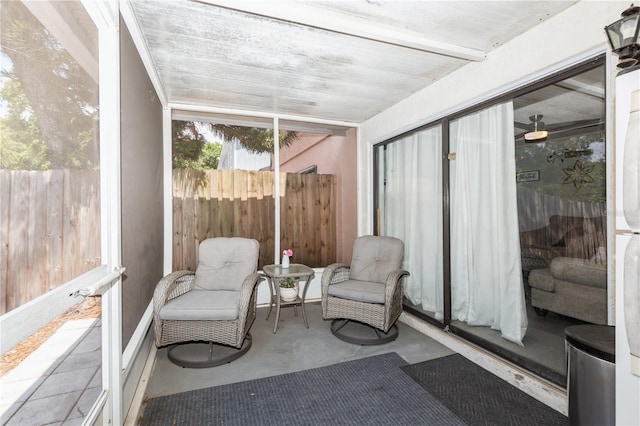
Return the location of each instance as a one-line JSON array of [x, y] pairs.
[[623, 37], [538, 132]]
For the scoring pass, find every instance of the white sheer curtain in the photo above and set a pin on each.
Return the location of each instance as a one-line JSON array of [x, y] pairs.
[[486, 275], [411, 209]]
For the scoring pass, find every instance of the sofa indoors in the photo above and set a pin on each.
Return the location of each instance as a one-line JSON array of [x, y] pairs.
[[573, 287], [565, 267]]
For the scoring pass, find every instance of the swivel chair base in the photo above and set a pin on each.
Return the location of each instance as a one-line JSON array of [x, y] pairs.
[[362, 334], [206, 354]]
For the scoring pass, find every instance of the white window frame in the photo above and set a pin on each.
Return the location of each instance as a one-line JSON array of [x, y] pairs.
[[109, 404]]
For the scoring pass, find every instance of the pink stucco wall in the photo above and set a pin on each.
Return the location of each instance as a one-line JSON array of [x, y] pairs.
[[334, 155]]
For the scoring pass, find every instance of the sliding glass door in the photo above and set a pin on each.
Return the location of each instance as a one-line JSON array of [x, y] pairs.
[[409, 194], [510, 247]]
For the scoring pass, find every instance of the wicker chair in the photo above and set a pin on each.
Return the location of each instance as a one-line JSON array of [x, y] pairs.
[[214, 305], [368, 292]]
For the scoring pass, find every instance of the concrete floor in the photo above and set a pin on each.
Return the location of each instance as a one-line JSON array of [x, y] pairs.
[[59, 382], [295, 348], [292, 348]]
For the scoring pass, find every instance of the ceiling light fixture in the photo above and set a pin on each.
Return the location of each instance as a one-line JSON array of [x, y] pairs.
[[624, 37], [538, 133]]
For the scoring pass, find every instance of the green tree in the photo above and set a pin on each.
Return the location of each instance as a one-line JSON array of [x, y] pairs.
[[61, 97], [191, 150], [21, 145], [254, 139], [187, 144], [210, 156]]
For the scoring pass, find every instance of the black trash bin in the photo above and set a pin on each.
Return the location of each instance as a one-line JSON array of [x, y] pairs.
[[591, 382]]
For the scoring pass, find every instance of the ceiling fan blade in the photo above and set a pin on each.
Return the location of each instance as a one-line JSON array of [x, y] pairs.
[[567, 126]]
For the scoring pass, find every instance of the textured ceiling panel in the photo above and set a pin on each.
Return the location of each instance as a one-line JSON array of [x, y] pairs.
[[584, 93], [481, 25], [225, 58]]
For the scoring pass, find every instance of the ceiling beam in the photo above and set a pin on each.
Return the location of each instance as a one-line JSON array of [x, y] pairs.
[[259, 122], [61, 23], [576, 85], [316, 17], [288, 118]]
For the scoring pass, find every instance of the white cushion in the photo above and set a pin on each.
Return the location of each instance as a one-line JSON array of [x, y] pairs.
[[361, 291], [224, 263], [374, 258], [202, 305]]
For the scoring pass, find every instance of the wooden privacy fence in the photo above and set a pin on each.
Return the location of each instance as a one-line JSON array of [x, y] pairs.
[[240, 203], [49, 231]]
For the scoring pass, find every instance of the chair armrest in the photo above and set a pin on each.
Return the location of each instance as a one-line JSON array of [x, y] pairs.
[[171, 286], [246, 291], [393, 288], [333, 274], [247, 305]]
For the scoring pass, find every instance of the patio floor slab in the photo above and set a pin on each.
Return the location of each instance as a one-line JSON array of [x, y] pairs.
[[58, 383]]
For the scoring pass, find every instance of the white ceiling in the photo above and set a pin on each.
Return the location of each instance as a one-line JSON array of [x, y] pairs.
[[326, 60], [577, 102]]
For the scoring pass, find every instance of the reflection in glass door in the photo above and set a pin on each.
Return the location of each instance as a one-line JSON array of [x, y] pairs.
[[525, 225], [562, 219], [558, 201]]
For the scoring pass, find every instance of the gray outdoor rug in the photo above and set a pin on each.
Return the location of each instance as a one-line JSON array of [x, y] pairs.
[[368, 391], [480, 397]]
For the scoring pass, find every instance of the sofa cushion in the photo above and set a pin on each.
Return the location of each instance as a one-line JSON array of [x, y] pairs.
[[361, 291], [542, 280], [202, 305], [579, 271]]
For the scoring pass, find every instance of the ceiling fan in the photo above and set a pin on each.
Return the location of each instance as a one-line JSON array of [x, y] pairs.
[[537, 131]]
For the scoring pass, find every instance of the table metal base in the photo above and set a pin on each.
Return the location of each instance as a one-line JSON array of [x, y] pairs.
[[362, 334], [275, 273], [206, 354], [280, 304]]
